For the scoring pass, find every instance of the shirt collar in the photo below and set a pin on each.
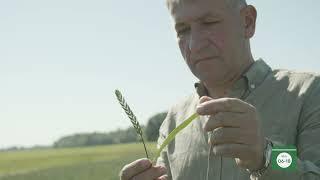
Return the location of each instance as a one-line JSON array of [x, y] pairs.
[[251, 79], [257, 73]]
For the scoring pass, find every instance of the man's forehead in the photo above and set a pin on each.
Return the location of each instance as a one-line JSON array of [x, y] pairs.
[[173, 5], [185, 10]]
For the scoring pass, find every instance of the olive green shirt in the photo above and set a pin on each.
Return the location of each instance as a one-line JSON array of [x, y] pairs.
[[288, 104]]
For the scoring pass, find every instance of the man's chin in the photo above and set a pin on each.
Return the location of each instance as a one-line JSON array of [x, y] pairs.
[[211, 79], [212, 74]]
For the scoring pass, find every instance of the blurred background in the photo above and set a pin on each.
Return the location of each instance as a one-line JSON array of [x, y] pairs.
[[60, 62]]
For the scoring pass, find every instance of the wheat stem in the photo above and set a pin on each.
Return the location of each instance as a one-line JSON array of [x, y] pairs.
[[174, 132]]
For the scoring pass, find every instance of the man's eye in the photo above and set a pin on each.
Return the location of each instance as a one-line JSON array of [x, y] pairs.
[[183, 31], [210, 22]]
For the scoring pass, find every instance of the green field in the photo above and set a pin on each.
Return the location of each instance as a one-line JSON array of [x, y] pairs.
[[90, 163]]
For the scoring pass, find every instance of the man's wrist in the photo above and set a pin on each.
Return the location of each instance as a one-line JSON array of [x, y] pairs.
[[254, 174]]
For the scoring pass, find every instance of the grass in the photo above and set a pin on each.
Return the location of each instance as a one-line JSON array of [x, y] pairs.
[[94, 163]]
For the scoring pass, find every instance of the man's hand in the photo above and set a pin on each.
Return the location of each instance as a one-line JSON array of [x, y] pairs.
[[142, 169], [235, 130]]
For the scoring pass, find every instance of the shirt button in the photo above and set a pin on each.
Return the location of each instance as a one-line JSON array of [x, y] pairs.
[[252, 86]]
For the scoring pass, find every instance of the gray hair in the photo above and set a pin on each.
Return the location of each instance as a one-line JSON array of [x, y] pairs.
[[233, 3], [242, 3], [237, 3]]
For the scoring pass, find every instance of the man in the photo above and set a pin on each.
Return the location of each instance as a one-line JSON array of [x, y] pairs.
[[247, 107]]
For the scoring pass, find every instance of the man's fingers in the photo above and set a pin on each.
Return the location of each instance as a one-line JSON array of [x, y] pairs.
[[204, 99], [231, 150], [227, 136], [151, 173], [134, 168], [164, 177], [224, 119], [222, 105]]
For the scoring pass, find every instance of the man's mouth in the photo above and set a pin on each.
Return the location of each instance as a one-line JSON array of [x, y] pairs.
[[203, 59]]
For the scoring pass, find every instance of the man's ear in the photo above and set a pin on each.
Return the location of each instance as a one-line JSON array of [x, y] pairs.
[[249, 16]]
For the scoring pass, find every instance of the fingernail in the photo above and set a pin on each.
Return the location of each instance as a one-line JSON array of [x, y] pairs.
[[163, 177], [145, 162], [200, 109], [204, 127]]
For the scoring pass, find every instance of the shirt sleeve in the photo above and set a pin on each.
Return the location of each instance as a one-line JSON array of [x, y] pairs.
[[307, 142]]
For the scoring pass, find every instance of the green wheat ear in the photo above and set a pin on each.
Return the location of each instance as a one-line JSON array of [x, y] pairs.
[[132, 118]]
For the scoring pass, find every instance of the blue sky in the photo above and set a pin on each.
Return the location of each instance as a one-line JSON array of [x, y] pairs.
[[61, 60]]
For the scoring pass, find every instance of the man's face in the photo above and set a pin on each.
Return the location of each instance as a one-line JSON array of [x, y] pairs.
[[211, 38]]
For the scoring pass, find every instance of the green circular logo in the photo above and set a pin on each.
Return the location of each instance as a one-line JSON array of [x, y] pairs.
[[284, 160]]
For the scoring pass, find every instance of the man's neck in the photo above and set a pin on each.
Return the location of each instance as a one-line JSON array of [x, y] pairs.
[[219, 91], [222, 90]]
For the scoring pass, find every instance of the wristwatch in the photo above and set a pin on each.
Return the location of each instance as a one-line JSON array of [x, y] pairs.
[[267, 158]]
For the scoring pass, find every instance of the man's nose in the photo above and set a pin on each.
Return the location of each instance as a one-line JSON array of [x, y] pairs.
[[197, 42]]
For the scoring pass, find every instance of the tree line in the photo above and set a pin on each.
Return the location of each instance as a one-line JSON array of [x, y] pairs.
[[151, 133]]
